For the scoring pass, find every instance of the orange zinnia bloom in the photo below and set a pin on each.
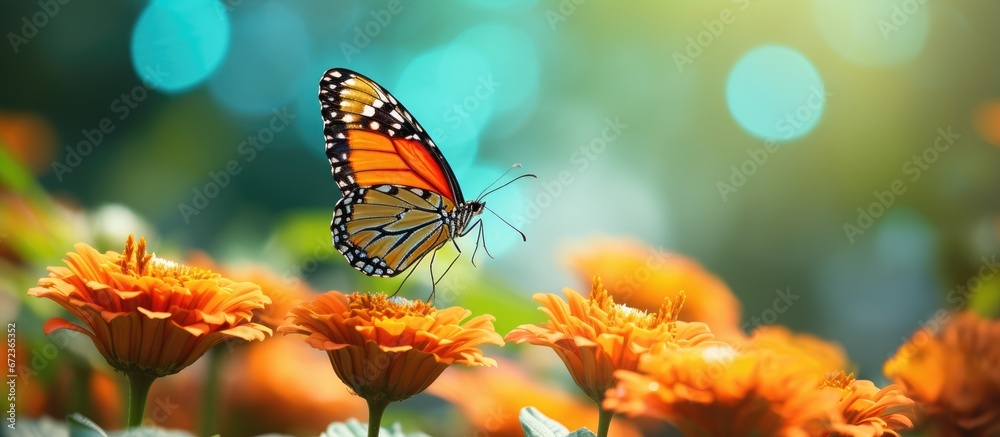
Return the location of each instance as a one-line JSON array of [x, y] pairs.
[[714, 390], [808, 352], [285, 294], [388, 349], [147, 315], [272, 386], [641, 276], [595, 337], [953, 376], [869, 411], [491, 399]]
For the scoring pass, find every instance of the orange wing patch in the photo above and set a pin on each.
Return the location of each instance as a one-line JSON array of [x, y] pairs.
[[377, 159]]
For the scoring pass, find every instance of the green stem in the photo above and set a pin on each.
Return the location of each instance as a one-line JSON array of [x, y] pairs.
[[375, 410], [210, 396], [604, 422], [138, 391]]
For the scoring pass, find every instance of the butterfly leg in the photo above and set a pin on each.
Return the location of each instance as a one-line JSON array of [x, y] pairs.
[[430, 299], [480, 237], [400, 287]]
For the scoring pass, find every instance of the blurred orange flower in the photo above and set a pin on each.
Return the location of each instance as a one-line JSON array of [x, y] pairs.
[[272, 387], [953, 376], [388, 349], [29, 138], [284, 294], [147, 315], [808, 352], [490, 399], [640, 277], [869, 411], [714, 390], [594, 336]]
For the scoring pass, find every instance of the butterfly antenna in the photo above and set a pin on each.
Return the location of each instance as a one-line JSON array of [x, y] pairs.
[[529, 175], [481, 195], [524, 238]]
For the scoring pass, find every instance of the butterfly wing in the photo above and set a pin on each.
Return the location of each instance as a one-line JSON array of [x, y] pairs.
[[385, 229], [371, 139]]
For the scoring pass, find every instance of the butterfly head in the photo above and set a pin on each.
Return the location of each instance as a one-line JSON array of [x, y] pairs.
[[476, 207]]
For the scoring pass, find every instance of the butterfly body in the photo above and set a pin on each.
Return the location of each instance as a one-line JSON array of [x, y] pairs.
[[401, 200]]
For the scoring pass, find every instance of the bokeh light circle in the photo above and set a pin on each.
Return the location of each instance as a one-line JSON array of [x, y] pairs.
[[775, 93], [269, 52], [874, 32], [177, 44], [987, 121], [513, 60], [450, 91]]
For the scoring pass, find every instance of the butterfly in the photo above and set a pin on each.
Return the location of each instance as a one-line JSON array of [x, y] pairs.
[[401, 200]]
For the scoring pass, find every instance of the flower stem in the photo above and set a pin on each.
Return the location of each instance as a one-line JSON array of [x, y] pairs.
[[375, 410], [138, 391], [210, 395], [604, 422]]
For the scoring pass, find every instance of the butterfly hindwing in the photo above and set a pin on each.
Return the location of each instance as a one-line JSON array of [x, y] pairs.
[[371, 139], [384, 229]]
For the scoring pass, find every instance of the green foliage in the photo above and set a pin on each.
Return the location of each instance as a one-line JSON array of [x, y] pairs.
[[353, 428], [535, 424]]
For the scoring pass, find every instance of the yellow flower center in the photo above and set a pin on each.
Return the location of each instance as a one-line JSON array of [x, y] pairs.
[[381, 305], [136, 262], [621, 314], [838, 380]]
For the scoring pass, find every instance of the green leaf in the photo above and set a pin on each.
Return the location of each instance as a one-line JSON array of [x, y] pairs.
[[80, 426], [43, 426], [353, 428], [535, 424]]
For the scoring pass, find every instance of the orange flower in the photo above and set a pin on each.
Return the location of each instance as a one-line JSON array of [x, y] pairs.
[[147, 315], [272, 387], [714, 390], [388, 349], [869, 411], [808, 352], [284, 294], [954, 376], [594, 336], [492, 398], [640, 277]]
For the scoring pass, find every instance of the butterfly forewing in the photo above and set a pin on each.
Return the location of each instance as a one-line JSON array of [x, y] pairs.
[[371, 138]]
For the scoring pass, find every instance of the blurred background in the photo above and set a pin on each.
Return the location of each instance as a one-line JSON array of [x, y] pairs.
[[834, 162]]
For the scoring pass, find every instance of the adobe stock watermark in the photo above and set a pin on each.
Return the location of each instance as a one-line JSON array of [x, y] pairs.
[[758, 157], [900, 16], [714, 29], [958, 298], [461, 111], [322, 251], [160, 409], [11, 416], [914, 168], [562, 11], [31, 26], [365, 33], [122, 107], [783, 301], [248, 149], [581, 158]]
